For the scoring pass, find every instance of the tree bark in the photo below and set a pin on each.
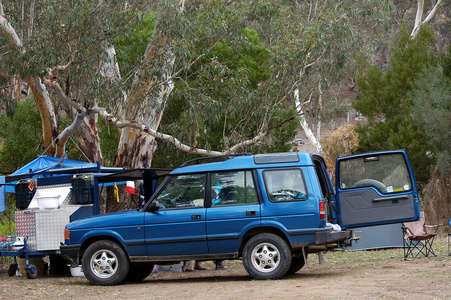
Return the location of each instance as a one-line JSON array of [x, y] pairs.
[[48, 117], [136, 148]]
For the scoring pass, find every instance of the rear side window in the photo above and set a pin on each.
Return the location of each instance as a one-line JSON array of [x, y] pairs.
[[228, 188], [285, 185]]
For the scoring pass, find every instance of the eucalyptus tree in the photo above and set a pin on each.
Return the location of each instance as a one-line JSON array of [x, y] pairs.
[[66, 52], [60, 49]]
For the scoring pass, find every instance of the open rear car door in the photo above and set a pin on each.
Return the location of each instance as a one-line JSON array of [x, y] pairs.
[[376, 188]]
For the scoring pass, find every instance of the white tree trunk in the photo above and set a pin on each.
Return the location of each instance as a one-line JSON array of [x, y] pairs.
[[432, 14], [305, 126], [320, 102]]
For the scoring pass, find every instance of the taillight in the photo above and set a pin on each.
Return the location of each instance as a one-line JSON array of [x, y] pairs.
[[322, 210], [66, 234]]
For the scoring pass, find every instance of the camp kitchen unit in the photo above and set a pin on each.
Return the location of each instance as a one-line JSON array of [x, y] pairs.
[[49, 198]]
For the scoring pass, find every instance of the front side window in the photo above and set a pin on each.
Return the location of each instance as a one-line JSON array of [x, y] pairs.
[[183, 191], [388, 173], [235, 187], [285, 185]]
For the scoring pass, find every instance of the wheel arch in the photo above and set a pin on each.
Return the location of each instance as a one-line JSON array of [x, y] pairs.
[[92, 239], [254, 231]]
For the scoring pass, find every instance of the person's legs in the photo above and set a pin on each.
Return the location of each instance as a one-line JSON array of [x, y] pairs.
[[188, 265], [198, 266], [219, 265]]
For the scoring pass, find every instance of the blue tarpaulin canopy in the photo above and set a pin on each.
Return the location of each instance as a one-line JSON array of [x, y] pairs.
[[42, 163]]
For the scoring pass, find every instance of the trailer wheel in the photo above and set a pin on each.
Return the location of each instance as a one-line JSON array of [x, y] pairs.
[[31, 272], [12, 269], [266, 256], [105, 263]]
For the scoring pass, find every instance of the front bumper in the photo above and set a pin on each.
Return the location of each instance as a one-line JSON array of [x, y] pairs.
[[328, 236], [71, 253]]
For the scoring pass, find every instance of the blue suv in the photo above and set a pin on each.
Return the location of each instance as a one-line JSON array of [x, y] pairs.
[[269, 210]]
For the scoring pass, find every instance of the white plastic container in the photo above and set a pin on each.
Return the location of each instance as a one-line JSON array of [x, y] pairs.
[[77, 271], [48, 202]]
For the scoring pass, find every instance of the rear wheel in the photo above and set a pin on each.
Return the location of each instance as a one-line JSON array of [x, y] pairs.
[[139, 271], [297, 263], [105, 263], [266, 256]]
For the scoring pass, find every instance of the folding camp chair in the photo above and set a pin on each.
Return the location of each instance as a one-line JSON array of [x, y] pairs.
[[418, 237], [449, 235]]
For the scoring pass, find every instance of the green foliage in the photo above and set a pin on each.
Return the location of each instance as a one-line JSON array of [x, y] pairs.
[[235, 66], [7, 224], [109, 136], [384, 99], [131, 44], [21, 134], [219, 100], [431, 97]]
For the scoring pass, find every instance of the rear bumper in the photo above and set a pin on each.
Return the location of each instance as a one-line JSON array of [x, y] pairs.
[[328, 235], [71, 253]]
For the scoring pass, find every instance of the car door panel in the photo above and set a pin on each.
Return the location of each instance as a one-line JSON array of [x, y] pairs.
[[176, 232], [226, 224], [376, 188]]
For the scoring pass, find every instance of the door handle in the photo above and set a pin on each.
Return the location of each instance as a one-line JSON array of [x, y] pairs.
[[390, 198], [251, 213], [195, 217]]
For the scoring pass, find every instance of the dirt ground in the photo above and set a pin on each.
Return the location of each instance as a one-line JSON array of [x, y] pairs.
[[382, 274]]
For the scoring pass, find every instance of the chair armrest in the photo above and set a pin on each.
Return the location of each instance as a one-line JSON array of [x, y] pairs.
[[433, 226]]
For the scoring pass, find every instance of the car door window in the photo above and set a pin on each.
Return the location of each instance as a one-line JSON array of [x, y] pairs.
[[232, 188], [183, 191], [387, 173]]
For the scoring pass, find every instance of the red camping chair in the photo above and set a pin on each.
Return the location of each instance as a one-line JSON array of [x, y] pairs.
[[418, 237]]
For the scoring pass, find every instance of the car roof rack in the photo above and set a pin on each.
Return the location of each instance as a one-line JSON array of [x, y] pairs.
[[217, 158]]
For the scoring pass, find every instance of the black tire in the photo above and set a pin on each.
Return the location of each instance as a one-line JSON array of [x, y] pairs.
[[266, 256], [31, 272], [297, 263], [12, 269], [58, 265], [139, 271], [105, 263], [370, 182]]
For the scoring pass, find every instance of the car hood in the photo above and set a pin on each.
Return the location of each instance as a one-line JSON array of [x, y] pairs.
[[123, 218]]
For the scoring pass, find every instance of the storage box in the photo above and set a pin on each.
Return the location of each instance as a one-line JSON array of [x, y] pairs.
[[82, 188], [44, 228], [24, 192]]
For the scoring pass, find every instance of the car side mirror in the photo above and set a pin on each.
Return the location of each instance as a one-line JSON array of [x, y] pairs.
[[154, 206]]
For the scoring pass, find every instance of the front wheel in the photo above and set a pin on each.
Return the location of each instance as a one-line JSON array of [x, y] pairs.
[[105, 263], [266, 256]]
